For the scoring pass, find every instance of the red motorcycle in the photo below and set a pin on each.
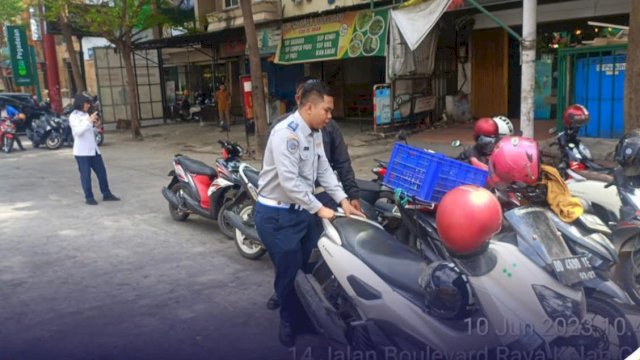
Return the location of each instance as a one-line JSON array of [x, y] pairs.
[[197, 188], [7, 135]]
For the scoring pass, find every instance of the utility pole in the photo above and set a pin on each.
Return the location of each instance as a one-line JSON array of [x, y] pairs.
[[632, 75], [528, 59], [257, 88]]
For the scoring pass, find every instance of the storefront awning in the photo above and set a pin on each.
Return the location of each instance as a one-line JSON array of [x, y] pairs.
[[415, 22]]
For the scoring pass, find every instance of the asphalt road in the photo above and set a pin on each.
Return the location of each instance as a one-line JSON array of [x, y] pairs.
[[122, 280]]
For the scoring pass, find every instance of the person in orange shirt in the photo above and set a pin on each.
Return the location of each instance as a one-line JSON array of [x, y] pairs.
[[223, 99]]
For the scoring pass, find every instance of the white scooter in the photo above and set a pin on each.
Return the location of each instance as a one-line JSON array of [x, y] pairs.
[[365, 292]]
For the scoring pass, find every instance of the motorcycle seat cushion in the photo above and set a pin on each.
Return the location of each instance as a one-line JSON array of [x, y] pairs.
[[393, 261], [196, 166], [252, 176]]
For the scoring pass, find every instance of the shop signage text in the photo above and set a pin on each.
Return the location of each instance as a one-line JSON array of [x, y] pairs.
[[20, 57], [340, 36]]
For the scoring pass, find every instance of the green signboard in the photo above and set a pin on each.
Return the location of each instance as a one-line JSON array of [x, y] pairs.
[[20, 57], [340, 36]]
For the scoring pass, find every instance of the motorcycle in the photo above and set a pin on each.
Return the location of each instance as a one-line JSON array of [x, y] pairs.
[[197, 188], [7, 135], [622, 209], [246, 236], [45, 129], [365, 293]]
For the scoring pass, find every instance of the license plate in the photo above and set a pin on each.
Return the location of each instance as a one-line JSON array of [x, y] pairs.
[[573, 270]]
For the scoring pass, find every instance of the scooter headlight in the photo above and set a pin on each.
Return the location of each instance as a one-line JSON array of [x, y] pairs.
[[556, 305]]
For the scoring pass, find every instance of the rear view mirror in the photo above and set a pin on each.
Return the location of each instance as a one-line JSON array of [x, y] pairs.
[[456, 143], [553, 130], [403, 135]]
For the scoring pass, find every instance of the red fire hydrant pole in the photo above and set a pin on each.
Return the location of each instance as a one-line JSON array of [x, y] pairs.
[[53, 78]]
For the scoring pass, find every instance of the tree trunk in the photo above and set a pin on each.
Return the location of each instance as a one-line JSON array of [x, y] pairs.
[[65, 28], [632, 76], [125, 49], [257, 89]]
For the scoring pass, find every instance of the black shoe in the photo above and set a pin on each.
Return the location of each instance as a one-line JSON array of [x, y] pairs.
[[286, 335], [91, 202], [273, 302], [110, 198]]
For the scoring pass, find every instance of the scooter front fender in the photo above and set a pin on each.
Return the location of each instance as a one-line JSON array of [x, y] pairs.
[[626, 237]]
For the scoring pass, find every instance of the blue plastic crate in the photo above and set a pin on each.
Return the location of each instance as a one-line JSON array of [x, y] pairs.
[[429, 175]]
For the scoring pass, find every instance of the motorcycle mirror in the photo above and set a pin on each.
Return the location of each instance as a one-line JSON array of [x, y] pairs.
[[403, 135], [456, 143], [553, 130]]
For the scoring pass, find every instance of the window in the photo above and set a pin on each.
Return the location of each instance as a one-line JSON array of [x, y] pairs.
[[230, 4]]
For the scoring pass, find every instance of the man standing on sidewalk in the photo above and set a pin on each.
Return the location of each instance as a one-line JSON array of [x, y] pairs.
[[223, 100]]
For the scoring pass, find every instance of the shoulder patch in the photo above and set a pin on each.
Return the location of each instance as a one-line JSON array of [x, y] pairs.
[[292, 125], [292, 145]]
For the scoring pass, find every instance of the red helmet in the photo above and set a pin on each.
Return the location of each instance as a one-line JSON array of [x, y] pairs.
[[485, 127], [515, 159], [468, 234], [575, 116]]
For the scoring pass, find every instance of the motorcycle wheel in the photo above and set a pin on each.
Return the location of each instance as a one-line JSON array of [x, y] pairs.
[[7, 145], [248, 248], [631, 274], [53, 141], [605, 331], [176, 213], [225, 227], [99, 138]]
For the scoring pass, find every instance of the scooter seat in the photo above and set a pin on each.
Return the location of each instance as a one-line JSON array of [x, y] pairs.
[[252, 176], [196, 166], [393, 261], [367, 185]]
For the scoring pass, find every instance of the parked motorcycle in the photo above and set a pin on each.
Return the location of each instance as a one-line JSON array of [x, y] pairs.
[[365, 293], [196, 187], [7, 135], [46, 130], [246, 236]]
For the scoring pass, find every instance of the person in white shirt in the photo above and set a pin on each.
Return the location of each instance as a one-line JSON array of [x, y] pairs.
[[85, 149]]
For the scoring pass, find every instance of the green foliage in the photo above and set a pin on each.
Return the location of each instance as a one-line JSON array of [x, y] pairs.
[[10, 9]]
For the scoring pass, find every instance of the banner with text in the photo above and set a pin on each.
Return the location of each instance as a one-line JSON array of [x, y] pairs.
[[340, 36], [20, 56]]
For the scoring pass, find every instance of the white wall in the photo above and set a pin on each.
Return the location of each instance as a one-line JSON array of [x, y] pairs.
[[91, 42], [558, 12]]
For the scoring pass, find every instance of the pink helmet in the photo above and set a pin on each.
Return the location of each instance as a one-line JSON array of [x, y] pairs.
[[515, 159]]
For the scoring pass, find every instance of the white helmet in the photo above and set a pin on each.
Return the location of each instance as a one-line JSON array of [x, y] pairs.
[[505, 127]]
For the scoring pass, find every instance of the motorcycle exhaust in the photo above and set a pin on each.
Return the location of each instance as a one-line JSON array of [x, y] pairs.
[[236, 222], [171, 197], [177, 202]]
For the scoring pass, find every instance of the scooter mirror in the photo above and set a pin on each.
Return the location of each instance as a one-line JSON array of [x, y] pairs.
[[553, 130], [402, 135], [456, 143]]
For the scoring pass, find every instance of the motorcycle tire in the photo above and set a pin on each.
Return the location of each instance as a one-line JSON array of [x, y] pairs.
[[248, 248], [7, 145], [53, 142], [176, 213], [99, 138], [620, 332], [631, 275], [225, 227]]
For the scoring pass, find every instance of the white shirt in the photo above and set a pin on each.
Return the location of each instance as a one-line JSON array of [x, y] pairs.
[[84, 140], [293, 160]]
